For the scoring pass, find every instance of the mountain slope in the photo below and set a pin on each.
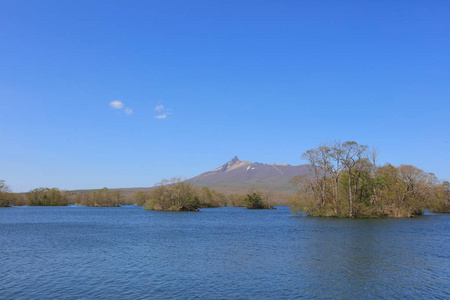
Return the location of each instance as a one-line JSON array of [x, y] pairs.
[[245, 174]]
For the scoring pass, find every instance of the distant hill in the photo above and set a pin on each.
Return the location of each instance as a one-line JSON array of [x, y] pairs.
[[237, 174]]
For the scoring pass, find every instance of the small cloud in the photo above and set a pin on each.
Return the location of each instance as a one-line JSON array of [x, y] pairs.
[[128, 111], [116, 104], [162, 111], [159, 108]]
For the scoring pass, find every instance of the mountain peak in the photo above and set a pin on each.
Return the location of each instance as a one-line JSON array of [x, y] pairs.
[[237, 173], [234, 160]]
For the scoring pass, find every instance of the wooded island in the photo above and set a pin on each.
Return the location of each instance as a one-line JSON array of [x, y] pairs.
[[346, 181]]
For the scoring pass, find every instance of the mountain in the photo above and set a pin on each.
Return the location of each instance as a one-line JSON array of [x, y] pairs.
[[245, 174]]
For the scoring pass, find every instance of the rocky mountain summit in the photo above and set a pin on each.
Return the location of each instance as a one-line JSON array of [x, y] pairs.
[[244, 174]]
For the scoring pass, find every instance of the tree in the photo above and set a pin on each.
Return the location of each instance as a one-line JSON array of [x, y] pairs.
[[254, 200], [335, 168], [416, 189], [105, 198], [318, 161], [235, 200], [441, 199], [99, 198], [141, 197], [4, 193], [118, 196], [173, 195], [328, 164], [353, 156], [209, 198], [47, 197]]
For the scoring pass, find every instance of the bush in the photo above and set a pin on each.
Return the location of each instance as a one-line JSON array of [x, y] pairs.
[[47, 197], [99, 198], [255, 201], [141, 197], [209, 198], [173, 195]]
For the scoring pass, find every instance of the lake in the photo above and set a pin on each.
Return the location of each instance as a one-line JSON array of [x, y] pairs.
[[218, 253]]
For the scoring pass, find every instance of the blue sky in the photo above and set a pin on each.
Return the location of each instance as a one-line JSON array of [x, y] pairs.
[[202, 81]]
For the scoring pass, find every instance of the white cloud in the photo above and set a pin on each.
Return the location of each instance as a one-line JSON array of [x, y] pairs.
[[128, 111], [162, 111], [116, 104]]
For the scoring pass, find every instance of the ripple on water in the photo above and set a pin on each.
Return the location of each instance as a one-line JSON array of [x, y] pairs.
[[225, 253]]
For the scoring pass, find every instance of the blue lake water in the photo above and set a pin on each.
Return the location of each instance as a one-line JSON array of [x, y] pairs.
[[218, 253]]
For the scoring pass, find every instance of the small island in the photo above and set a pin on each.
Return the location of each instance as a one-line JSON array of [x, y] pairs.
[[346, 181], [254, 200], [173, 195]]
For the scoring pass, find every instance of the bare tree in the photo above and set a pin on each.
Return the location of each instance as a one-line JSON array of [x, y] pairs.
[[352, 155]]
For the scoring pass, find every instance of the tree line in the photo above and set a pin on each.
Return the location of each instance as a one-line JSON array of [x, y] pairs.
[[36, 197], [55, 197], [174, 194], [178, 195], [100, 198], [345, 180]]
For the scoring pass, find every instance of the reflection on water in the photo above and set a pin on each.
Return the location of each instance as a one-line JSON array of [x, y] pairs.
[[81, 252]]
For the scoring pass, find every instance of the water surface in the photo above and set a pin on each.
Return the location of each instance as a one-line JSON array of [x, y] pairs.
[[220, 253]]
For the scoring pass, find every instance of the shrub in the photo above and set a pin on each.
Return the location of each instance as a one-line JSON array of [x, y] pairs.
[[255, 201], [173, 195]]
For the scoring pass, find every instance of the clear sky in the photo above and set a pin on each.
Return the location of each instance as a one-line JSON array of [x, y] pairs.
[[125, 93]]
